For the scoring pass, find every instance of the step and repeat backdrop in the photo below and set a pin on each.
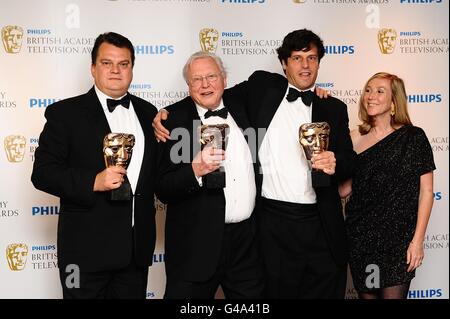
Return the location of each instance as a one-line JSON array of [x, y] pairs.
[[45, 57]]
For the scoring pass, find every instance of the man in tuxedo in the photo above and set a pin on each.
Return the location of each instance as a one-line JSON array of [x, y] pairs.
[[69, 163], [210, 230], [301, 227]]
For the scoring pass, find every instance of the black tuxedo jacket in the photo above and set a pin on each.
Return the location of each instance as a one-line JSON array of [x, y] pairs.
[[94, 232], [195, 215], [262, 95]]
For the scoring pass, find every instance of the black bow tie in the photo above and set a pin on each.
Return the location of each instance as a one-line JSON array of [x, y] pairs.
[[307, 96], [125, 102], [223, 113]]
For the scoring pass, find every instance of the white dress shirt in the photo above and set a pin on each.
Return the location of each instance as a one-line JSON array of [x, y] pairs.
[[124, 120], [286, 174], [240, 187]]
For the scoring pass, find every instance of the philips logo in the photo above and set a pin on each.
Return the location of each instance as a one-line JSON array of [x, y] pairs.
[[242, 1], [43, 248], [40, 103], [339, 49], [154, 49], [44, 210], [410, 34], [141, 86], [38, 31], [438, 195], [422, 294], [232, 34], [425, 98], [324, 85]]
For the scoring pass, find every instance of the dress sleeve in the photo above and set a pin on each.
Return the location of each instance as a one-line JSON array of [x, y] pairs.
[[422, 155]]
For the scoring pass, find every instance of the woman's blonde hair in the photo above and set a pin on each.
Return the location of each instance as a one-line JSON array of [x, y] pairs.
[[399, 116]]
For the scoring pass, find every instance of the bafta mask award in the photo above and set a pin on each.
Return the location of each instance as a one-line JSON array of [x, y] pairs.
[[314, 138], [117, 150], [215, 136]]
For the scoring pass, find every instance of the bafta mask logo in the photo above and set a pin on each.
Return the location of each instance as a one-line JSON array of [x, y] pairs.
[[16, 254], [15, 148], [12, 38], [209, 39], [314, 138], [386, 40], [117, 149], [215, 135]]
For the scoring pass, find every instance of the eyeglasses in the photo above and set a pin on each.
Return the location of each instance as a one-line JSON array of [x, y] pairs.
[[210, 78]]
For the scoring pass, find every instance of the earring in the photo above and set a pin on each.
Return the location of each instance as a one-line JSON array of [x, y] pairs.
[[392, 110]]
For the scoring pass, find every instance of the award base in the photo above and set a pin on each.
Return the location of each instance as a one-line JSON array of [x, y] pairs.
[[214, 180], [123, 193], [320, 179]]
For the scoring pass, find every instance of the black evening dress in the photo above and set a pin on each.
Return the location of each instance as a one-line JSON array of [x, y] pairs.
[[381, 214]]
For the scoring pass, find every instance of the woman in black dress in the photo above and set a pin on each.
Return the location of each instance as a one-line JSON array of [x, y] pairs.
[[391, 193]]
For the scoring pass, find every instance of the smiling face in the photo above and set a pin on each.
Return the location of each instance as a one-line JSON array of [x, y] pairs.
[[206, 82], [113, 70], [377, 97], [302, 68]]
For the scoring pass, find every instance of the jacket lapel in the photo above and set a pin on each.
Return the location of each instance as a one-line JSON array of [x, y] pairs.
[[237, 110], [269, 106], [149, 140], [317, 109], [95, 115]]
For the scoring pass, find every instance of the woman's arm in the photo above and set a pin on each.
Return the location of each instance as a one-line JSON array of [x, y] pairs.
[[415, 252]]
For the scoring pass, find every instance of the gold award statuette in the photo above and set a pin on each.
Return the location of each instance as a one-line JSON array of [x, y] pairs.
[[117, 151], [314, 139], [216, 136]]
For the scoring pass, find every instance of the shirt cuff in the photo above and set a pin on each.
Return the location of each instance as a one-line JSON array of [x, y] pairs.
[[199, 180]]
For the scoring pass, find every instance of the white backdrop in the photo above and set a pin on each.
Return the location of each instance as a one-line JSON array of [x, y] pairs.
[[52, 61]]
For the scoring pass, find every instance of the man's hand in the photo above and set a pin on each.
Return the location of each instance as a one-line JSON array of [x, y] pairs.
[[110, 178], [324, 161], [161, 133], [322, 93], [207, 161]]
